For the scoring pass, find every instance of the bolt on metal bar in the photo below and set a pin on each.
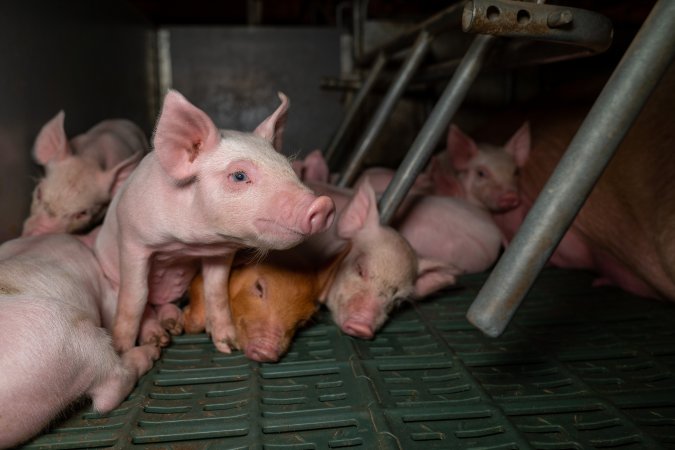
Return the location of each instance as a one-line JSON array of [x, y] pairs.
[[434, 127], [376, 124], [591, 149], [560, 24], [355, 105]]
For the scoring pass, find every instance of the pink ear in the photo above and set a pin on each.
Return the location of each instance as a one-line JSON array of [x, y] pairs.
[[182, 134], [460, 147], [433, 276], [360, 212], [51, 143], [316, 168], [519, 145], [118, 174], [272, 128]]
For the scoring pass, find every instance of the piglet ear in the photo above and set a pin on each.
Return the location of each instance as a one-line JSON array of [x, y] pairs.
[[460, 147], [519, 145], [360, 213], [183, 133], [51, 143], [315, 168], [433, 276], [115, 176], [272, 128]]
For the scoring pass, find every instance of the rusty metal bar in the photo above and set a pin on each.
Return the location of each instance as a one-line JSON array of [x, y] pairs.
[[559, 24], [376, 124], [591, 149], [354, 106], [434, 127]]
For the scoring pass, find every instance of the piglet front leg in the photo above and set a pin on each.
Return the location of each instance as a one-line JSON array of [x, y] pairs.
[[216, 273], [132, 297]]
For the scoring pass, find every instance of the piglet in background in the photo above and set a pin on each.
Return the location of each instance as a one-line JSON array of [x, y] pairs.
[[54, 350], [269, 300], [198, 197], [379, 270], [81, 174], [484, 174]]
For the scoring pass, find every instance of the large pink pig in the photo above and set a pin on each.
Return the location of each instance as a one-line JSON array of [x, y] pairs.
[[200, 195], [626, 229], [81, 174], [379, 270], [54, 301]]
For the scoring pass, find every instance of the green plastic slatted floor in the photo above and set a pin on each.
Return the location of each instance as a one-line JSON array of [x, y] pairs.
[[578, 368]]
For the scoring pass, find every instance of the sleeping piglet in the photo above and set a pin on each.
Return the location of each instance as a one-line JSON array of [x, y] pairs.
[[269, 300], [198, 197], [54, 301], [81, 174]]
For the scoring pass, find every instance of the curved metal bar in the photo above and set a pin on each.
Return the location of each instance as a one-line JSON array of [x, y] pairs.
[[603, 129], [560, 24]]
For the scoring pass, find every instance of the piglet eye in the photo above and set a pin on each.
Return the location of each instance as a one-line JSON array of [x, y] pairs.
[[481, 173], [239, 176], [38, 194]]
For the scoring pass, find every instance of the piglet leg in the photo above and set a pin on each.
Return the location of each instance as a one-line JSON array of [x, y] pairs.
[[170, 317], [151, 331], [132, 298], [216, 273]]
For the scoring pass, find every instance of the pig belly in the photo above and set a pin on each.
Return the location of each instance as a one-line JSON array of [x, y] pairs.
[[168, 281]]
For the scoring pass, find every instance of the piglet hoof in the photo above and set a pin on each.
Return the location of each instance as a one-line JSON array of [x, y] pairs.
[[193, 323], [152, 333], [223, 346], [173, 326]]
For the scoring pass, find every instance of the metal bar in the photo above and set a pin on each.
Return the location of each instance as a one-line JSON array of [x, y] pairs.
[[560, 24], [591, 149], [366, 87], [443, 21], [434, 127], [376, 124]]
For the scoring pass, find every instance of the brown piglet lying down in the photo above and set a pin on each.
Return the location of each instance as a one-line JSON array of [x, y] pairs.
[[269, 300]]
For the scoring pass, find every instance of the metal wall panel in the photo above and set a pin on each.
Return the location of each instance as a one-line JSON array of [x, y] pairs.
[[234, 73]]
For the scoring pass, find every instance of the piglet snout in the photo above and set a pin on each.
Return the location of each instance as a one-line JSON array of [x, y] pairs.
[[358, 329], [319, 216], [262, 351], [508, 200]]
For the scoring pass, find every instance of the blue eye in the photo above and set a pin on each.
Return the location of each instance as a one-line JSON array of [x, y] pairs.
[[239, 176]]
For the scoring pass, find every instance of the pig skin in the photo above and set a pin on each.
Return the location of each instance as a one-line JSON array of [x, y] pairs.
[[270, 300], [200, 195], [81, 174], [53, 348], [626, 229], [379, 270]]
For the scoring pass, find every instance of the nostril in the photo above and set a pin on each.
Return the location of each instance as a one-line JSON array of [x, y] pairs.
[[321, 215]]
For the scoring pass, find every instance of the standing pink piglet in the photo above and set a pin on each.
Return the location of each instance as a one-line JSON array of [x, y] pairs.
[[198, 197]]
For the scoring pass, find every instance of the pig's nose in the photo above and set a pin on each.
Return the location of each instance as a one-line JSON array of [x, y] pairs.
[[508, 200], [261, 353], [358, 329], [320, 215]]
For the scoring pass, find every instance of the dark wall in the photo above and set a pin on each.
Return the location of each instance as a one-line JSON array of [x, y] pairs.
[[87, 58]]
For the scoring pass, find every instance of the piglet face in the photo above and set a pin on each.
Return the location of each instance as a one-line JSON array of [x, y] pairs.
[[269, 303], [67, 200], [239, 187], [377, 274], [491, 179]]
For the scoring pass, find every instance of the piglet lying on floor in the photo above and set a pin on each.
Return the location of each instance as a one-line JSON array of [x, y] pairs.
[[269, 301], [192, 202], [53, 349], [81, 174]]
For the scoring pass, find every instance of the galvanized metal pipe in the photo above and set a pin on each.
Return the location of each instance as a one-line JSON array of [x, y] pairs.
[[591, 149], [355, 105], [435, 126], [376, 124]]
